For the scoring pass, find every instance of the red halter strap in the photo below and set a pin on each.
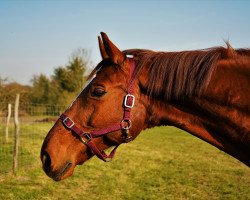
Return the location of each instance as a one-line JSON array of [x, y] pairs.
[[125, 124]]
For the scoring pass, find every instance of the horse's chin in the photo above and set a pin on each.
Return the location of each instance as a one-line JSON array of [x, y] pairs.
[[66, 175], [62, 173]]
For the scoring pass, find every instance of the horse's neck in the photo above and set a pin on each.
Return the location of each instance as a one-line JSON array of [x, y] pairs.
[[221, 116]]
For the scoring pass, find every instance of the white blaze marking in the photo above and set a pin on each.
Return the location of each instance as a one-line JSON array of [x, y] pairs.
[[86, 85]]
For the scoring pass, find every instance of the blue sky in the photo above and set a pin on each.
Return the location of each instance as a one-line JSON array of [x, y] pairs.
[[37, 36]]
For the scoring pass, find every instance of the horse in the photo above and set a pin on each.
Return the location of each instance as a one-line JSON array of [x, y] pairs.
[[204, 92]]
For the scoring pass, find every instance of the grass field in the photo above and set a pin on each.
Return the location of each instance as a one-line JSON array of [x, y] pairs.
[[162, 163]]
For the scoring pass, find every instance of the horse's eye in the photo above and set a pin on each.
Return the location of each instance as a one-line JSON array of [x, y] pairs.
[[98, 92]]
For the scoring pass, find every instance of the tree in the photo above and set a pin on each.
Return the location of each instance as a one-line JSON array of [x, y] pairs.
[[71, 77], [40, 89], [64, 84], [8, 91], [2, 90], [58, 90]]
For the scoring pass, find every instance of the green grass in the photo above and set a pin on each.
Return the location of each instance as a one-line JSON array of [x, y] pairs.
[[31, 137], [162, 163]]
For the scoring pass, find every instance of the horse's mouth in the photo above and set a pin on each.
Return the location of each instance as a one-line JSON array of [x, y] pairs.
[[62, 173]]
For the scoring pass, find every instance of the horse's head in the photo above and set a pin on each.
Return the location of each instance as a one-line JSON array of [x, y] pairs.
[[98, 118]]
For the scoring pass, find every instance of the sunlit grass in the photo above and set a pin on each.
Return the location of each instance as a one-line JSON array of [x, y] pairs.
[[162, 163]]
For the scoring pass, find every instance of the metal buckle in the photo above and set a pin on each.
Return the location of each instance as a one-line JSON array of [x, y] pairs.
[[71, 121], [128, 122], [87, 136], [126, 128], [126, 101]]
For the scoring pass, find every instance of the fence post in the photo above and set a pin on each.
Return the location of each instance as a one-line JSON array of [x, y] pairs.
[[16, 140], [8, 123]]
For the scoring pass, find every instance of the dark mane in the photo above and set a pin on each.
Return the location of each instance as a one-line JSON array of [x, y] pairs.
[[243, 52], [174, 75]]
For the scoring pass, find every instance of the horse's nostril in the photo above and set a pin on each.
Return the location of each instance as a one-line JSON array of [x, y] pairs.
[[46, 162]]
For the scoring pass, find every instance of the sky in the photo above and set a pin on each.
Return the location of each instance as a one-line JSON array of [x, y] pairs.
[[38, 36]]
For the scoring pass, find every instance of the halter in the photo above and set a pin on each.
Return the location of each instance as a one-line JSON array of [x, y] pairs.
[[125, 124]]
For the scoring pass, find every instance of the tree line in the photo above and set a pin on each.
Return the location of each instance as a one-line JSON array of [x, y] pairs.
[[58, 89]]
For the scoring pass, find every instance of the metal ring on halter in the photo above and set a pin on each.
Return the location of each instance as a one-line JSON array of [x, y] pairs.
[[129, 123]]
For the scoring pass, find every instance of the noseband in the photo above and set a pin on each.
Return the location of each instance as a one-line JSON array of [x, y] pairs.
[[124, 125]]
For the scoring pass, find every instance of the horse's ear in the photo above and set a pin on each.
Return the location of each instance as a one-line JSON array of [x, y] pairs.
[[112, 51], [102, 49]]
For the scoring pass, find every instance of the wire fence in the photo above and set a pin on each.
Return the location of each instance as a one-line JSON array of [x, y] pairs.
[[34, 122]]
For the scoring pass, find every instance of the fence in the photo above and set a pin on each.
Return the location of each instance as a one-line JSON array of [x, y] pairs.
[[34, 122]]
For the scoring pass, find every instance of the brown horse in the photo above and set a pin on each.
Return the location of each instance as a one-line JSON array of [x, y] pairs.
[[204, 92]]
